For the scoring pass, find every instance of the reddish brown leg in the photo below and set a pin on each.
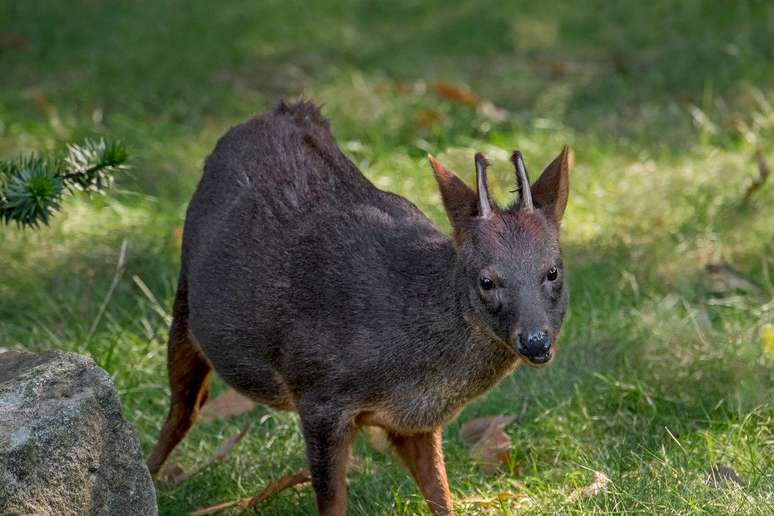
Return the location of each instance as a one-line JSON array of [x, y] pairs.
[[188, 385], [422, 454]]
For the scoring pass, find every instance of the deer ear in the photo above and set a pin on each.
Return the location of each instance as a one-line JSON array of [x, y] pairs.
[[460, 202], [550, 191]]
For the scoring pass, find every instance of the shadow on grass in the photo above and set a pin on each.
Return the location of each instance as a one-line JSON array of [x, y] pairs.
[[594, 67]]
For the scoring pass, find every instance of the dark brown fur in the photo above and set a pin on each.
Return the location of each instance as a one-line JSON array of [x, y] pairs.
[[307, 288]]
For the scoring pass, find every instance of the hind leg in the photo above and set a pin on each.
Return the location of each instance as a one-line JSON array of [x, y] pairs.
[[188, 385]]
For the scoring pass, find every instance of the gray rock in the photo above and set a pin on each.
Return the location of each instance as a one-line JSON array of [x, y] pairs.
[[65, 448]]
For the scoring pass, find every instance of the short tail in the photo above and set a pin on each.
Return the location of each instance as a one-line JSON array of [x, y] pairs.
[[303, 112]]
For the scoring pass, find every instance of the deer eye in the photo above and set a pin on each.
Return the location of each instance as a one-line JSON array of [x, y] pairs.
[[486, 283], [552, 274]]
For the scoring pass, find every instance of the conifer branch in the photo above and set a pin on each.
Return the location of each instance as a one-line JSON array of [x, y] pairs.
[[32, 187]]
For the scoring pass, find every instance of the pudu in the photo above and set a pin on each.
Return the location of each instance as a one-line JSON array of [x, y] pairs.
[[307, 288]]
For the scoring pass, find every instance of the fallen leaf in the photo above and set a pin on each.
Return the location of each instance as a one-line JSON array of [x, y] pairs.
[[174, 474], [724, 280], [485, 108], [228, 404], [720, 475], [473, 430], [490, 446], [299, 477], [455, 93], [594, 488]]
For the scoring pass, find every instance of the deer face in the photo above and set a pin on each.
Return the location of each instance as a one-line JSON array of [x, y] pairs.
[[515, 279], [510, 259]]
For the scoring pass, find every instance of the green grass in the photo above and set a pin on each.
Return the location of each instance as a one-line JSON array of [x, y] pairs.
[[664, 104]]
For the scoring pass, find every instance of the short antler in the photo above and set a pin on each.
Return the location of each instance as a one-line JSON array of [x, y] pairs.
[[522, 180], [485, 206]]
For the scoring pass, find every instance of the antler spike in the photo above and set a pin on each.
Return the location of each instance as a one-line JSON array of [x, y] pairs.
[[485, 206], [522, 180]]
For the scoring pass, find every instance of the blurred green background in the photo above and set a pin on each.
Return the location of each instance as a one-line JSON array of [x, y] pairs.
[[663, 371]]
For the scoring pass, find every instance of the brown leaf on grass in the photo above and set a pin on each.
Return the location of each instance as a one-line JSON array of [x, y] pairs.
[[490, 446], [594, 488], [455, 94], [721, 475], [228, 404], [472, 431], [763, 174], [485, 108], [174, 474], [299, 477]]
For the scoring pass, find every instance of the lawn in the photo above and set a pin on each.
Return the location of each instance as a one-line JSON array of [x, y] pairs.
[[661, 375]]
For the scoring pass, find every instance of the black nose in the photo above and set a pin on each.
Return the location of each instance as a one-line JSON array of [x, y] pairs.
[[534, 343]]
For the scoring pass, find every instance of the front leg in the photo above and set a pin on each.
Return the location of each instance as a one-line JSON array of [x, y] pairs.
[[422, 454], [328, 436]]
